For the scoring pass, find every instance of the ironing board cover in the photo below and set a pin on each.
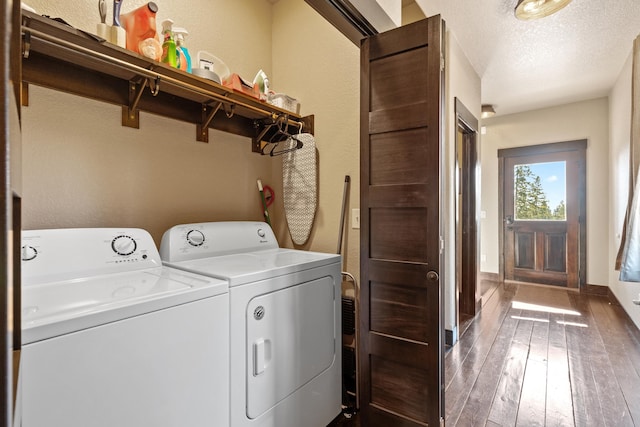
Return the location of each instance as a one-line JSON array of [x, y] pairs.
[[299, 179]]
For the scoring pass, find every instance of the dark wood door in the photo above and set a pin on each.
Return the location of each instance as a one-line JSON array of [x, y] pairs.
[[544, 213], [401, 334]]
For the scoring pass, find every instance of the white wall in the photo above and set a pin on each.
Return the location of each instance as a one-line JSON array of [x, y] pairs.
[[620, 134], [461, 82], [583, 120]]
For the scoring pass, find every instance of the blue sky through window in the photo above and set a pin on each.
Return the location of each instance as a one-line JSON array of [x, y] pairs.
[[554, 181]]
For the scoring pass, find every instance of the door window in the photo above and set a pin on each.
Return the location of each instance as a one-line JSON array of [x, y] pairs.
[[540, 191]]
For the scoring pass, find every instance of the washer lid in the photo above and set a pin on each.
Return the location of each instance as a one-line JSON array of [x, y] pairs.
[[259, 265], [57, 308]]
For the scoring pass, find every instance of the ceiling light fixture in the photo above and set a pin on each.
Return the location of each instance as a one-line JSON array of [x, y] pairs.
[[534, 9], [487, 111]]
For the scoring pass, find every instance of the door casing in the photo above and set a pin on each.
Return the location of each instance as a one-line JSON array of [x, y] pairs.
[[467, 225]]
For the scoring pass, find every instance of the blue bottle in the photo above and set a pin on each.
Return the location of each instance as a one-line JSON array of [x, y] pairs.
[[182, 53]]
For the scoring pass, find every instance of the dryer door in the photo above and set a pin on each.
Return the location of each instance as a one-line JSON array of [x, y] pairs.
[[290, 340]]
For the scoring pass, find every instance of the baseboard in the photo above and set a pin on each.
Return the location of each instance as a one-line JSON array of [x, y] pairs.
[[615, 301], [493, 277], [451, 337], [596, 290]]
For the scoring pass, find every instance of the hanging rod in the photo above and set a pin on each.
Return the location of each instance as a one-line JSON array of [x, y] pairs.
[[146, 72]]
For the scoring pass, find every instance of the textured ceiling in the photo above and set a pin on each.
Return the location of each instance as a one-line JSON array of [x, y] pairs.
[[573, 55]]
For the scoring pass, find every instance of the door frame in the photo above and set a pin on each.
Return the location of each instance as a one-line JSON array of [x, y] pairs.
[[531, 150], [468, 300]]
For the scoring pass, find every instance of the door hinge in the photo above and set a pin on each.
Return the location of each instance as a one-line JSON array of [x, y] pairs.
[[441, 422], [441, 245], [441, 61]]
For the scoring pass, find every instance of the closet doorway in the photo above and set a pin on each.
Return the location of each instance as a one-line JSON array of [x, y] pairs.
[[467, 230]]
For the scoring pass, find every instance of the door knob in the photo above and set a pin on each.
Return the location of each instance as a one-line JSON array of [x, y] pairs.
[[433, 276]]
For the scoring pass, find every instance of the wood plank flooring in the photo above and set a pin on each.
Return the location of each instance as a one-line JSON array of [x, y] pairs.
[[540, 356]]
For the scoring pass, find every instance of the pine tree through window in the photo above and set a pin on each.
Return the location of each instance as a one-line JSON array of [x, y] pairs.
[[540, 191]]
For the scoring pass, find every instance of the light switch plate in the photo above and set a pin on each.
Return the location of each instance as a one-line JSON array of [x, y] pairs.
[[355, 218]]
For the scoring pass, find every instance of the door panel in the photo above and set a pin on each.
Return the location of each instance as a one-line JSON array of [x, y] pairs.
[[396, 77], [394, 238], [396, 158], [542, 236], [399, 310], [555, 251], [401, 335], [399, 388]]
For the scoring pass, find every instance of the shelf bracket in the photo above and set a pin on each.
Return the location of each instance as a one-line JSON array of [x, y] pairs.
[[130, 113], [26, 45], [202, 129], [261, 128], [24, 94]]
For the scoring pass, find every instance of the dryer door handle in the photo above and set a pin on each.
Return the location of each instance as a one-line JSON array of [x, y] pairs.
[[261, 355]]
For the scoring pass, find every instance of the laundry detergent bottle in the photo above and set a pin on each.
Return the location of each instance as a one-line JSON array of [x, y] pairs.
[[182, 53], [140, 24], [169, 44]]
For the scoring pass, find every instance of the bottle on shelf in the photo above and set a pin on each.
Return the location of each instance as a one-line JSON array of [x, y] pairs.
[[169, 44], [182, 53], [140, 24]]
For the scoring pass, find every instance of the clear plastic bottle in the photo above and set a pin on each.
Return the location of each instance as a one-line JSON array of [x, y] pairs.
[[169, 44], [182, 53]]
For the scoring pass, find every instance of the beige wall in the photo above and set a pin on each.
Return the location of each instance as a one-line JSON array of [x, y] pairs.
[[412, 13], [82, 169], [461, 82], [238, 31], [583, 120], [314, 61], [620, 133]]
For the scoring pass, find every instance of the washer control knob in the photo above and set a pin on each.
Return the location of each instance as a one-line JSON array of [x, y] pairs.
[[123, 245], [258, 312], [29, 253], [261, 233], [195, 238]]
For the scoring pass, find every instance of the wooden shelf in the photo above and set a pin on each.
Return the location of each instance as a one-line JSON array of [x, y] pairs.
[[63, 58]]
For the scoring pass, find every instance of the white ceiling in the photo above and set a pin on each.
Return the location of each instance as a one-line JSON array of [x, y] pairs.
[[573, 55]]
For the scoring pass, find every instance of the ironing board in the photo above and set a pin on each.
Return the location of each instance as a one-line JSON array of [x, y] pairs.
[[300, 189]]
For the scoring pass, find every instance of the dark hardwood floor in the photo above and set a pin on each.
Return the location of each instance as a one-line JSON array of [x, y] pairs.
[[540, 356]]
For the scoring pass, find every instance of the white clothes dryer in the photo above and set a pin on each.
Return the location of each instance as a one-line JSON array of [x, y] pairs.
[[285, 325], [113, 338]]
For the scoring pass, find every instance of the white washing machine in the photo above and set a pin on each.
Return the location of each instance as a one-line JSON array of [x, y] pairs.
[[285, 320], [113, 338]]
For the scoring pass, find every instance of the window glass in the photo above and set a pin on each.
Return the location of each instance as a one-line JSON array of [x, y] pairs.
[[540, 191]]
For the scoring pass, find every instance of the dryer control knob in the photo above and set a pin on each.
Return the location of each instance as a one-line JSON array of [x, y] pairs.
[[261, 233], [195, 238], [29, 253], [123, 245]]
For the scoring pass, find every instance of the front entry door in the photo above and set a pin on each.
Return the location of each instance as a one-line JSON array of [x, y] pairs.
[[401, 334], [544, 213]]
